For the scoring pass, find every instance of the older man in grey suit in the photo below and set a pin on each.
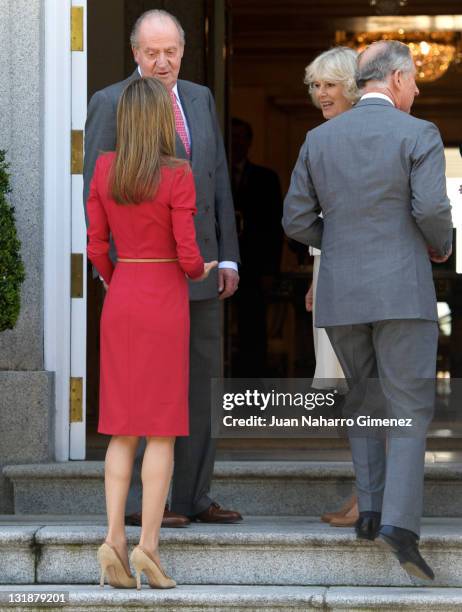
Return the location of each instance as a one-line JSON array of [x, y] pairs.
[[158, 43], [377, 176]]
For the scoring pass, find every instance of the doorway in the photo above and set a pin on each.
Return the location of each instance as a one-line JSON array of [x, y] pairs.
[[271, 43], [109, 24], [268, 45]]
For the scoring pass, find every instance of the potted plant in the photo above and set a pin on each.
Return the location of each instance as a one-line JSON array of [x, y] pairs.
[[11, 266]]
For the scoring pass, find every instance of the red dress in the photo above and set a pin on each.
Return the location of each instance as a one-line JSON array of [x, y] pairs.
[[145, 320]]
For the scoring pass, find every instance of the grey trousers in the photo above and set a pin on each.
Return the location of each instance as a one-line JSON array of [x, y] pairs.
[[194, 454], [402, 355]]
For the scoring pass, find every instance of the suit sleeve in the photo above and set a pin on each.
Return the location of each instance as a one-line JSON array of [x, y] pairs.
[[100, 136], [98, 229], [183, 208], [301, 220], [228, 246], [430, 204]]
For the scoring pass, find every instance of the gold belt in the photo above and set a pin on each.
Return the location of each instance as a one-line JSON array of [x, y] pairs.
[[123, 260]]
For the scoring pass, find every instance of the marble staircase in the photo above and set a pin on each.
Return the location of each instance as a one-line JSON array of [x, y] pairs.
[[280, 558], [275, 488]]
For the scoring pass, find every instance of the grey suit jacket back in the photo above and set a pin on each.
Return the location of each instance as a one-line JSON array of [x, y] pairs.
[[215, 219], [377, 175]]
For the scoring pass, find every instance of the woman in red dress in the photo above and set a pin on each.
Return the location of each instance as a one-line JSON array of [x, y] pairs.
[[144, 198]]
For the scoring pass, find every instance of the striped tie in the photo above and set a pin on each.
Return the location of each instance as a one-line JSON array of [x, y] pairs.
[[179, 124]]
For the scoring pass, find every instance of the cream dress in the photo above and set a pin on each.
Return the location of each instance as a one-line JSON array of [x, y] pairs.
[[328, 373]]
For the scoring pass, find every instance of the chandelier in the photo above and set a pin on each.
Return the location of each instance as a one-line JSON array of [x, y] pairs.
[[435, 41], [433, 52]]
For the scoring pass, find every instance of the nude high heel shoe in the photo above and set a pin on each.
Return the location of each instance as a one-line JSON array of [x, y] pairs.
[[142, 561], [113, 569]]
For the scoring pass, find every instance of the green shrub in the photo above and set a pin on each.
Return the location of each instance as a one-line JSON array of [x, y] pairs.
[[11, 266]]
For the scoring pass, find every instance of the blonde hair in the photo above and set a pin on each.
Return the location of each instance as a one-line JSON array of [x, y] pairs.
[[337, 65], [145, 141]]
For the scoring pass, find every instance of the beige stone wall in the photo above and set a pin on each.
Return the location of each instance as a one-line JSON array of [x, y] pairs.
[[21, 104]]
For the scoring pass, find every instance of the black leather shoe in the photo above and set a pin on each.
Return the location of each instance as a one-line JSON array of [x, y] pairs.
[[404, 544], [367, 526]]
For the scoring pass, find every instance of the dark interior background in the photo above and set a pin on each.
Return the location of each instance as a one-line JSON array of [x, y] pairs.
[[266, 46]]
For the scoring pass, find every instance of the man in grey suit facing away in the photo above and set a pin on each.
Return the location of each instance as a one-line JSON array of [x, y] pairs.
[[377, 176], [158, 43]]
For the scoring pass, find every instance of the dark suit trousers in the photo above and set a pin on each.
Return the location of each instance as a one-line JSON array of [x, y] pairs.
[[195, 454], [401, 354]]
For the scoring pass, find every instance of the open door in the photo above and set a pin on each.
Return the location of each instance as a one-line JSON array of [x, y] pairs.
[[64, 225], [77, 417]]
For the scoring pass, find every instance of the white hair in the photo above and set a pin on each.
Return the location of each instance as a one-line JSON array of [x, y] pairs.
[[155, 14], [337, 65], [392, 55]]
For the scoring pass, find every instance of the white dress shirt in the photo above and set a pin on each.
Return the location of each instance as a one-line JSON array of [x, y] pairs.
[[377, 94]]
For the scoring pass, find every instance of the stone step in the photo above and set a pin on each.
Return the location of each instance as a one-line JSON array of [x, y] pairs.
[[271, 551], [284, 488], [222, 598]]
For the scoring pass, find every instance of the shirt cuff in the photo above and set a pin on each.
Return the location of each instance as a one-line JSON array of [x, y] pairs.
[[228, 264]]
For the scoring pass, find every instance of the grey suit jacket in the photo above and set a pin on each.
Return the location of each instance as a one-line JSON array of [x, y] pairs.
[[377, 176], [215, 220]]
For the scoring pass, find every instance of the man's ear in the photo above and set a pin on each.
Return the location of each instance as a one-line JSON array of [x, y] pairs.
[[397, 78]]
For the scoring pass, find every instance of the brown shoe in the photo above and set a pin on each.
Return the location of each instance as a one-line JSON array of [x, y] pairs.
[[170, 519], [347, 520], [327, 517], [216, 514], [173, 519]]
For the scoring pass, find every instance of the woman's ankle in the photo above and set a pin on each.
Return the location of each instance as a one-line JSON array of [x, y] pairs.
[[150, 548], [116, 540]]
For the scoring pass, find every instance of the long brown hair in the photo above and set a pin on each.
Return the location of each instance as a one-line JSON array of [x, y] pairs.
[[145, 141]]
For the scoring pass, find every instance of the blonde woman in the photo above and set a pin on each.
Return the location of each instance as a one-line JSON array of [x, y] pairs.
[[331, 83], [145, 198]]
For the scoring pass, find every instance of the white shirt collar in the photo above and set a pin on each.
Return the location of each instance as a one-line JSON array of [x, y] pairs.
[[376, 94]]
